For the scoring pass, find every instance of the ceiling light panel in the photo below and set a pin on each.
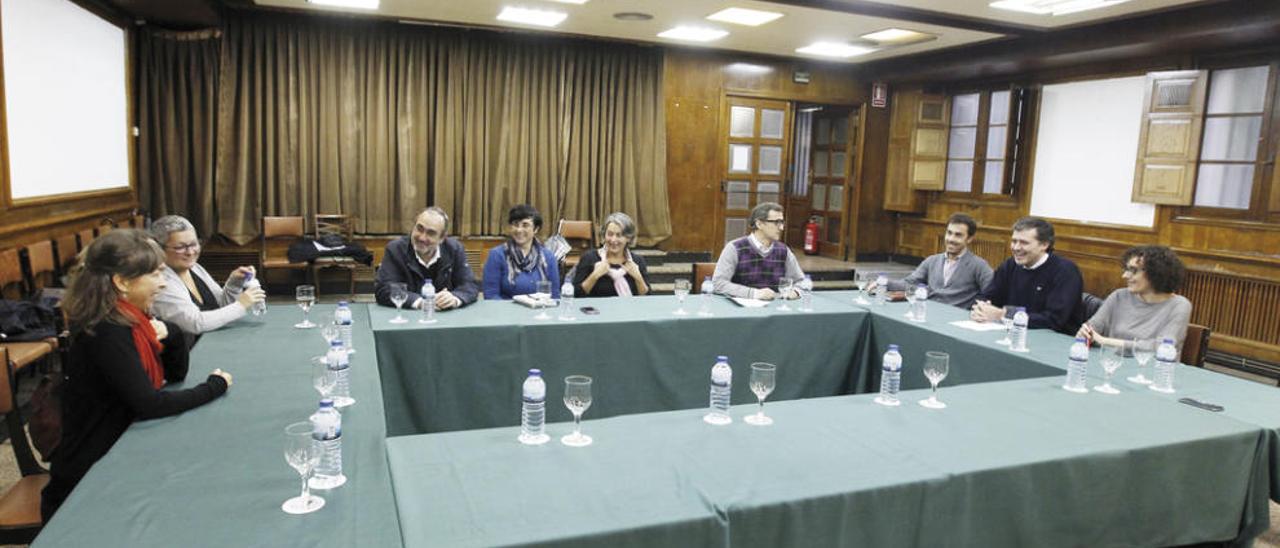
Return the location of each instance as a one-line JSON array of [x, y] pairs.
[[693, 34], [578, 2], [1053, 7], [896, 36], [834, 49], [743, 16], [362, 4], [527, 16]]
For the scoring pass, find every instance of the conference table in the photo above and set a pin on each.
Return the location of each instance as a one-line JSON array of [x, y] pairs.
[[1012, 460]]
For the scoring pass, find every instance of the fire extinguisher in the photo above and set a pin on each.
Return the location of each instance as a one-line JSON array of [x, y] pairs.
[[811, 236]]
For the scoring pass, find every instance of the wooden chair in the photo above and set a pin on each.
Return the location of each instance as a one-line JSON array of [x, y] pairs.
[[41, 266], [138, 221], [580, 236], [341, 225], [86, 237], [700, 272], [20, 520], [64, 248], [277, 234], [12, 286], [1196, 345], [1090, 303]]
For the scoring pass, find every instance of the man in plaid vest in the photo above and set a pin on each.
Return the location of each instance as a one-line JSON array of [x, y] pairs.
[[752, 266]]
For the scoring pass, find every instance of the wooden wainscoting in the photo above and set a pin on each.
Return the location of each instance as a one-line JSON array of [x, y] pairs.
[[1242, 311]]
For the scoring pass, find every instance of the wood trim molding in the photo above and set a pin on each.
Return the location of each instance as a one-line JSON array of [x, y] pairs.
[[70, 196]]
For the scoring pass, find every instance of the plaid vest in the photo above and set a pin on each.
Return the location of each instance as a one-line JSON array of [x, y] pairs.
[[756, 271]]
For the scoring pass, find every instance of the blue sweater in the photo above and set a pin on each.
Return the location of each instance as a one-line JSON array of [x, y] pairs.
[[1051, 293], [497, 286]]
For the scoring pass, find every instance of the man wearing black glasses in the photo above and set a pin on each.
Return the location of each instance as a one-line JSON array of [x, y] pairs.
[[752, 266]]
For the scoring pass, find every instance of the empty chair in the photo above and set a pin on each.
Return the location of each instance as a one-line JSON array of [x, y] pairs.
[[24, 353], [580, 238], [701, 271], [40, 265], [1196, 345], [20, 505], [344, 227], [65, 250], [86, 237], [277, 234], [1090, 303]]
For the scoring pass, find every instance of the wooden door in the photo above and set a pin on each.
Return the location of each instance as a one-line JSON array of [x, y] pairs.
[[832, 164], [756, 145]]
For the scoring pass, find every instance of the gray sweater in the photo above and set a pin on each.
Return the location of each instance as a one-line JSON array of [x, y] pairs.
[[1124, 316], [970, 276]]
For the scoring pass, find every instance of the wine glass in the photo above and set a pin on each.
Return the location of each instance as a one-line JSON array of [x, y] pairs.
[[911, 304], [860, 280], [302, 453], [541, 295], [1112, 358], [330, 333], [763, 378], [785, 286], [306, 296], [577, 397], [1143, 351], [399, 294], [936, 367], [322, 378], [704, 304], [682, 287], [806, 294], [1007, 320]]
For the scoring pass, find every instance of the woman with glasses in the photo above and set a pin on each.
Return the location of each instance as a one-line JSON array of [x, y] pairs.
[[191, 299], [516, 267], [1147, 307]]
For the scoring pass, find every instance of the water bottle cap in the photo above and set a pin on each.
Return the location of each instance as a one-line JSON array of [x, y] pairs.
[[342, 304], [535, 372], [326, 402], [708, 278], [1079, 339], [1168, 340], [248, 277], [722, 358], [335, 342], [893, 347]]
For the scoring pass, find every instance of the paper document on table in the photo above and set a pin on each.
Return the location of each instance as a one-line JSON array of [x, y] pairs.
[[749, 303], [531, 302], [978, 326]]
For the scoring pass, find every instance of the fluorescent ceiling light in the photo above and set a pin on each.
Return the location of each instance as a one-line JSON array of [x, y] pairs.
[[834, 49], [364, 4], [1053, 7], [578, 2], [526, 16], [743, 16], [693, 34], [898, 36]]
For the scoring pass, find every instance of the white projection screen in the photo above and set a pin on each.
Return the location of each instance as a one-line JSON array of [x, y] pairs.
[[66, 105], [1086, 150]]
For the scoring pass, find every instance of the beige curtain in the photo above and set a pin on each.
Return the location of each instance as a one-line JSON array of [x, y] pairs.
[[377, 120]]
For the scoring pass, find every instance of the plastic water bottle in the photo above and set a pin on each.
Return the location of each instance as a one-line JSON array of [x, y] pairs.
[[342, 317], [260, 307], [533, 410], [566, 301], [721, 390], [882, 289], [806, 294], [707, 289], [920, 307], [890, 377], [326, 433], [1019, 332], [428, 302], [1077, 367], [1166, 360], [340, 364]]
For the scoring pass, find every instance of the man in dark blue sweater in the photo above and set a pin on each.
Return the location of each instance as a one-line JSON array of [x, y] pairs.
[[1047, 285]]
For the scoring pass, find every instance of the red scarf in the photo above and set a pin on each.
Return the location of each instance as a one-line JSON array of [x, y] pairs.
[[145, 340]]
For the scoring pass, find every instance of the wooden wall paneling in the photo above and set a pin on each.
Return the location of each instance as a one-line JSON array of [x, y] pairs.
[[928, 165], [876, 226], [898, 195], [1169, 142]]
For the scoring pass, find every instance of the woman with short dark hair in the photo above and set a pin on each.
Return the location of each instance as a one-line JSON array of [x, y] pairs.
[[1147, 308], [120, 358], [516, 267]]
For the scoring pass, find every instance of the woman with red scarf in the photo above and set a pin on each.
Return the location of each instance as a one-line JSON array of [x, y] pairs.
[[120, 358]]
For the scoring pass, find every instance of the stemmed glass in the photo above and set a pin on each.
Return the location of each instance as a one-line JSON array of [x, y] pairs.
[[861, 281], [306, 296], [1007, 320], [682, 287], [911, 304], [806, 294], [322, 378], [785, 285], [541, 295], [763, 378], [936, 367], [704, 300], [400, 293], [302, 453], [1112, 358], [577, 397], [1143, 351], [330, 333]]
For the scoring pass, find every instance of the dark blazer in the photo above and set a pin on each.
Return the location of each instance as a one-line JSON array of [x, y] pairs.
[[451, 271]]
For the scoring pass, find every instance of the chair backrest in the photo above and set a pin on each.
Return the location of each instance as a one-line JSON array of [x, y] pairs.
[[280, 228], [329, 223], [40, 264], [107, 226], [1196, 345], [1090, 303], [65, 249], [6, 389], [86, 238], [579, 234], [12, 285], [700, 272], [138, 221]]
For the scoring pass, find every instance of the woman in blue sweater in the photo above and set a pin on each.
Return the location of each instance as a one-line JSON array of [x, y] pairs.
[[516, 267]]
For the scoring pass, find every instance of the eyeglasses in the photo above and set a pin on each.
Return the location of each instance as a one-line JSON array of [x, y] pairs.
[[775, 222], [184, 248], [1131, 270]]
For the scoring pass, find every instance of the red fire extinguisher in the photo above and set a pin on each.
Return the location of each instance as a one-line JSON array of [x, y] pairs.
[[811, 236]]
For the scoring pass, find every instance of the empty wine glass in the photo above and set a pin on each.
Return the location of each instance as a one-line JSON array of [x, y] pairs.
[[577, 397], [911, 304], [785, 286], [861, 281], [763, 379], [541, 296], [330, 333], [936, 367], [306, 296], [1007, 319], [704, 300], [1112, 358], [302, 453], [399, 294], [1143, 351], [682, 287], [322, 378], [806, 294]]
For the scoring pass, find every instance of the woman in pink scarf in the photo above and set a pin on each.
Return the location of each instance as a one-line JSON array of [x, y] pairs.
[[612, 270]]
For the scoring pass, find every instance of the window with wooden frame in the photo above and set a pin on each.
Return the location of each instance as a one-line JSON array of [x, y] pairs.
[[1232, 150], [982, 143]]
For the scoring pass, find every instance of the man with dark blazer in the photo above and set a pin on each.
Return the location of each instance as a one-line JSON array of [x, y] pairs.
[[427, 253]]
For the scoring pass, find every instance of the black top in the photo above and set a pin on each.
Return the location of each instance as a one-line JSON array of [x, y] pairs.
[[106, 390], [210, 302], [450, 271], [1050, 293], [604, 286]]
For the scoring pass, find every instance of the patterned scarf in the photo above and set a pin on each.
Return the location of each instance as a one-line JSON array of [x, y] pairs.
[[145, 341], [516, 262], [618, 274]]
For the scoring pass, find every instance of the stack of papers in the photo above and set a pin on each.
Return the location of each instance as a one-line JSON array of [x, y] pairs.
[[533, 302], [978, 326]]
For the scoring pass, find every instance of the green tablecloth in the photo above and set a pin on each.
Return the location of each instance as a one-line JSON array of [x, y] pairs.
[[216, 475], [466, 370], [1013, 463]]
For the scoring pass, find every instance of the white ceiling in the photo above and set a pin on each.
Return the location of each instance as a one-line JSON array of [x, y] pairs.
[[799, 26]]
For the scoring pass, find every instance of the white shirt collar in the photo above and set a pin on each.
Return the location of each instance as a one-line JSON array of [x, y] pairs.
[[1042, 260], [427, 264], [756, 243], [958, 257]]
